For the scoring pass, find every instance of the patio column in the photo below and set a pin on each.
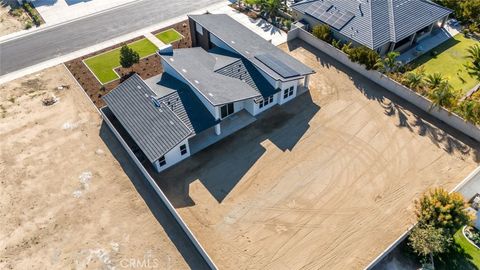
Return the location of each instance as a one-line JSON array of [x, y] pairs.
[[412, 39], [305, 83], [444, 21], [218, 130]]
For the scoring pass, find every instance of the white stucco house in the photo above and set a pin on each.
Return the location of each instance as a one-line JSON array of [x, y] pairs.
[[206, 92]]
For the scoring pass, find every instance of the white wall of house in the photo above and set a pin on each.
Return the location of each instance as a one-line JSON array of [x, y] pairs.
[[219, 43], [286, 86], [168, 69], [173, 157]]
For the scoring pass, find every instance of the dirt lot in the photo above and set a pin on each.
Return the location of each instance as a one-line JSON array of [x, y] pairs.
[[8, 22], [324, 182], [66, 202]]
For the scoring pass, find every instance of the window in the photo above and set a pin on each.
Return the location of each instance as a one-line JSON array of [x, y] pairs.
[[226, 110], [265, 102], [183, 149], [162, 161], [288, 92], [199, 28]]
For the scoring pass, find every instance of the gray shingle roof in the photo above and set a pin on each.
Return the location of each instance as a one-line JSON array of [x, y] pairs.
[[156, 130], [186, 105], [378, 22], [197, 67], [248, 44], [244, 70]]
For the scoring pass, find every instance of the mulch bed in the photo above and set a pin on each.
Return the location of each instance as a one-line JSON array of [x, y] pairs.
[[146, 68]]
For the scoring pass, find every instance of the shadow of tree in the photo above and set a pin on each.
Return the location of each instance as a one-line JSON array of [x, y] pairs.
[[409, 116]]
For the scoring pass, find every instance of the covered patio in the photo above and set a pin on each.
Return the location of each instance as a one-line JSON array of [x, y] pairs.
[[437, 37], [228, 126]]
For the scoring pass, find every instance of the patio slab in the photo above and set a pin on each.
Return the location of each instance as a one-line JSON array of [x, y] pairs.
[[429, 43]]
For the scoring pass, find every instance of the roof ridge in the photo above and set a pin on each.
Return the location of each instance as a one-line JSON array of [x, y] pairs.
[[393, 32]]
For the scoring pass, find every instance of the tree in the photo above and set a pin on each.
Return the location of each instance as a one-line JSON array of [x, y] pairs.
[[443, 95], [323, 32], [470, 110], [426, 240], [414, 79], [473, 68], [389, 63], [128, 57], [364, 56], [434, 80], [441, 209]]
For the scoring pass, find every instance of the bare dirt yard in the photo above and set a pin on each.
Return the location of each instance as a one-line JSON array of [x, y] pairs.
[[11, 21], [326, 181], [65, 201]]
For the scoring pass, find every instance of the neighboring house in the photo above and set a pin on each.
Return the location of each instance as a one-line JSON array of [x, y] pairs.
[[234, 73], [381, 25]]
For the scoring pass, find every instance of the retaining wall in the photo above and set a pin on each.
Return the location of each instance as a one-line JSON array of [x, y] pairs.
[[406, 93]]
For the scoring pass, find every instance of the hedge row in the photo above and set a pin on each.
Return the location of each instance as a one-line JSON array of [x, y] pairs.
[[37, 19]]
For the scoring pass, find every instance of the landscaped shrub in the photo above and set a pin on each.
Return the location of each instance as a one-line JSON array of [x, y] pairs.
[[473, 234], [322, 32], [364, 56], [469, 110], [337, 44], [33, 13]]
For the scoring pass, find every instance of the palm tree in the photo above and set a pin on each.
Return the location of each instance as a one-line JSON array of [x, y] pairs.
[[414, 80], [434, 80], [470, 110], [443, 96], [271, 7], [389, 63], [473, 68]]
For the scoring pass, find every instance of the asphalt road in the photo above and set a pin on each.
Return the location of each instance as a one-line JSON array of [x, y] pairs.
[[63, 39]]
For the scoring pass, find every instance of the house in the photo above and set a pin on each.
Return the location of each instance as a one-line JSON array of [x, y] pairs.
[[381, 25], [206, 92]]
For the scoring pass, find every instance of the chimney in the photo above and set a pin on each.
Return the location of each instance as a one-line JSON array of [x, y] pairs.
[[166, 50]]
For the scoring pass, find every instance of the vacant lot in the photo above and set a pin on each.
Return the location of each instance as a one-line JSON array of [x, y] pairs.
[[325, 182], [65, 201], [450, 62], [11, 21]]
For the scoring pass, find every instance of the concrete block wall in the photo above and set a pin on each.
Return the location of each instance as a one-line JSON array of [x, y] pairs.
[[406, 93]]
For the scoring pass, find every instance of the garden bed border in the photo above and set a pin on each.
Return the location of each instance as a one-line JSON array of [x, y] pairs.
[[448, 117]]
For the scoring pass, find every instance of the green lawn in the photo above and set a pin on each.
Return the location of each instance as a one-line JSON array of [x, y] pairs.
[[169, 36], [469, 249], [462, 256], [102, 65], [450, 62]]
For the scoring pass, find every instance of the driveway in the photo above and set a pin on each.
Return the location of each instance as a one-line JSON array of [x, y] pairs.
[[326, 181]]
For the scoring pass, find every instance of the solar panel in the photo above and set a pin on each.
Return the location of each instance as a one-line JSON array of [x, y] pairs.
[[325, 11], [277, 65]]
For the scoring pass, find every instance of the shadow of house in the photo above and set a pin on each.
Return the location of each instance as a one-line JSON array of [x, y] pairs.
[[409, 116], [221, 166], [156, 206]]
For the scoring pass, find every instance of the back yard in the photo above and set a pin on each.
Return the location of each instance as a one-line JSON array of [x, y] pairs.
[[449, 61], [326, 181]]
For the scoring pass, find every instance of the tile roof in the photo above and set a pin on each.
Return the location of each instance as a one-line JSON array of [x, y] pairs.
[[157, 129], [197, 67], [377, 22], [248, 44]]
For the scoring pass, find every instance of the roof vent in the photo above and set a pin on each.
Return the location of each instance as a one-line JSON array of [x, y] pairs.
[[210, 94], [197, 82], [233, 42], [184, 70], [171, 122], [139, 87], [155, 101]]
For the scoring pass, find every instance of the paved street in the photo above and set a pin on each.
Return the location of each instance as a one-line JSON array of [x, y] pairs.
[[38, 47]]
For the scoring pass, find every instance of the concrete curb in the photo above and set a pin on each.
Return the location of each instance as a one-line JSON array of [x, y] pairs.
[[70, 56]]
